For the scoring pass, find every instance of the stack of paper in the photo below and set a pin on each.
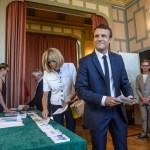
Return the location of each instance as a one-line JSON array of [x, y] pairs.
[[6, 122], [59, 138], [126, 100]]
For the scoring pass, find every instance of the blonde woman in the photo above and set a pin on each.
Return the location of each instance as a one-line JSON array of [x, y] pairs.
[[59, 78], [4, 68]]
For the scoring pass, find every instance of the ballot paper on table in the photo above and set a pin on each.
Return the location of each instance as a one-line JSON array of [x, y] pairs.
[[13, 109], [11, 113], [6, 122], [126, 100], [60, 110], [54, 134]]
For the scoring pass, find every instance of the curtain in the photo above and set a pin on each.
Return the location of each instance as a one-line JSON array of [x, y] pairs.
[[36, 44], [96, 20], [15, 52]]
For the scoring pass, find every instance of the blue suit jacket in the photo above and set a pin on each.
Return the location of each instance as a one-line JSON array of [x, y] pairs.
[[91, 87]]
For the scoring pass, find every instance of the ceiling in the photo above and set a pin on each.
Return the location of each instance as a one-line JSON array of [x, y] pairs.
[[119, 3], [47, 13]]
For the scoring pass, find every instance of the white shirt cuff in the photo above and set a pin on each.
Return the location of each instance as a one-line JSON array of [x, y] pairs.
[[103, 100]]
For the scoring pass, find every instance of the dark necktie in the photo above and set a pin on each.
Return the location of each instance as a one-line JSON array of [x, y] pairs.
[[107, 80]]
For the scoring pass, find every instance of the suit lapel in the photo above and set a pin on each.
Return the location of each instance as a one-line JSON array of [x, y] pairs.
[[97, 64], [141, 79], [113, 66], [148, 78]]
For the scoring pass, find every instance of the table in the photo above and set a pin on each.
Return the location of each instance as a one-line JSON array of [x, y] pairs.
[[30, 137]]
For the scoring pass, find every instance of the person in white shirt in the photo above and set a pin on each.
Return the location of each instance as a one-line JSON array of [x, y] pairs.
[[59, 78], [143, 91]]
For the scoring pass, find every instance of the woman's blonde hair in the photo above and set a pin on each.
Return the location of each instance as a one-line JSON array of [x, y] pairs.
[[52, 54]]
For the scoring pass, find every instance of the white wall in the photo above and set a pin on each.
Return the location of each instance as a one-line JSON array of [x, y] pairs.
[[132, 65]]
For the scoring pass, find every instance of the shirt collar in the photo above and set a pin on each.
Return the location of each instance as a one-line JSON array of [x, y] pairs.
[[100, 55]]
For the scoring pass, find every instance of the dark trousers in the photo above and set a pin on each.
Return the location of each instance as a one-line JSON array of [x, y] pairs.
[[117, 127], [70, 121]]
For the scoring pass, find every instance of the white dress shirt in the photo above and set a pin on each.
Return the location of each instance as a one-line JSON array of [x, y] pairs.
[[60, 84], [144, 78], [112, 88]]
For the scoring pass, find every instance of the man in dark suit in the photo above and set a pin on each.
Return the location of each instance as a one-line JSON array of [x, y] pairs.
[[100, 80], [37, 99]]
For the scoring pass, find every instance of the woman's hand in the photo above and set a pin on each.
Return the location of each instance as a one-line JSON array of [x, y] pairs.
[[45, 114]]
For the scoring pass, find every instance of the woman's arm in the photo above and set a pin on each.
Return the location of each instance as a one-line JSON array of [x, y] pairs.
[[1, 99], [44, 105]]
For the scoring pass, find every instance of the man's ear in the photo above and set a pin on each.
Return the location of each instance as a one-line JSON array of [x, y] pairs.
[[110, 39]]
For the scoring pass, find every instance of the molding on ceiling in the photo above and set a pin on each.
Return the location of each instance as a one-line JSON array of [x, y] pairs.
[[118, 3]]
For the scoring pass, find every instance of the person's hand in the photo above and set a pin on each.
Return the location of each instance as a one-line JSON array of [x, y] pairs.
[[144, 100], [45, 114], [6, 110], [132, 99], [25, 107], [112, 101], [66, 103]]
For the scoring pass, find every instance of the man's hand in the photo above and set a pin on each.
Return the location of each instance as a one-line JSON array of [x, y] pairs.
[[144, 100], [45, 114], [25, 107], [111, 101], [6, 110]]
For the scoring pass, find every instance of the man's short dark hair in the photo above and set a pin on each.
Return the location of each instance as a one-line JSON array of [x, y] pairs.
[[103, 26], [145, 60], [3, 65]]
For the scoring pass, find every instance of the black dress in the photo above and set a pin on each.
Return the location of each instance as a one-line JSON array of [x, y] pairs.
[[3, 94]]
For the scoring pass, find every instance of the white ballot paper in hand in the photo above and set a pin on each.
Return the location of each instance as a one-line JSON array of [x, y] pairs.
[[60, 110], [126, 100]]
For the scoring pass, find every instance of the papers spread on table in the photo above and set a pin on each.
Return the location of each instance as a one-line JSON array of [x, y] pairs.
[[15, 113], [54, 134], [60, 110], [11, 113], [6, 122], [126, 100], [13, 109]]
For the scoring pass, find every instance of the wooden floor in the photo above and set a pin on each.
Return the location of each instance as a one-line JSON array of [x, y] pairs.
[[133, 143]]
